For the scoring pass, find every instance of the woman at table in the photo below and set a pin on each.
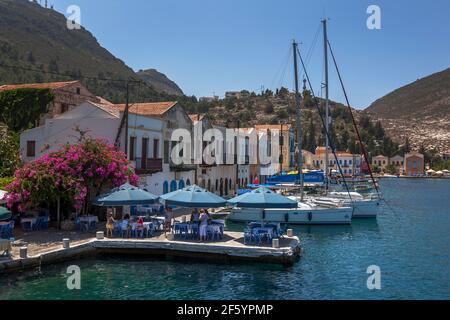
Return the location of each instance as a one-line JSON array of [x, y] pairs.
[[110, 225], [140, 226], [195, 216], [203, 225]]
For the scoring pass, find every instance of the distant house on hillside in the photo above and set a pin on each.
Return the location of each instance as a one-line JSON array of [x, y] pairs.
[[237, 94], [208, 99], [398, 163], [446, 155], [351, 164], [381, 162], [414, 164], [67, 95]]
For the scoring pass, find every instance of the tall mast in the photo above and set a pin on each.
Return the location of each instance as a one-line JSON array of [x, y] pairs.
[[298, 121], [327, 102]]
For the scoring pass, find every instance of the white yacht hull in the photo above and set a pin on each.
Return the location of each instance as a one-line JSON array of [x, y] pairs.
[[366, 208], [311, 216]]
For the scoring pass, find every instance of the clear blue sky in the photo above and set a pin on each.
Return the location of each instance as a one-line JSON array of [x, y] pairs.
[[211, 46]]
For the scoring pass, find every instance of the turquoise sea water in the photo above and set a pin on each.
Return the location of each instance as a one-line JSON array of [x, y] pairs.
[[410, 242]]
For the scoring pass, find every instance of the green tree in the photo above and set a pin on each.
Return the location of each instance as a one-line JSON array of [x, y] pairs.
[[21, 109], [9, 153], [311, 142]]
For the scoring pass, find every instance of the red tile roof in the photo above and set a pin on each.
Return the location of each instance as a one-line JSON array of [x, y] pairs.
[[154, 109], [272, 127], [49, 85], [196, 117]]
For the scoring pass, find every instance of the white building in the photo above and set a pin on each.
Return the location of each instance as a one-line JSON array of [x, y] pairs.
[[98, 120], [349, 163], [153, 138], [149, 132]]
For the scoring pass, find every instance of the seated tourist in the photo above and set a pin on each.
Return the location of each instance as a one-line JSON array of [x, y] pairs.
[[125, 226], [140, 226], [195, 216]]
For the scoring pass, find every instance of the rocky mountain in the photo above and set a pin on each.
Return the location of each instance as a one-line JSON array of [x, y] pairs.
[[36, 38], [419, 111], [160, 82]]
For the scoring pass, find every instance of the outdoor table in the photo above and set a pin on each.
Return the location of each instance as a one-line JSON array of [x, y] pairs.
[[159, 221], [5, 247], [88, 221], [31, 221]]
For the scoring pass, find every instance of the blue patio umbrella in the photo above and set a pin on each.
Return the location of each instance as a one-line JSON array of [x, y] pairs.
[[126, 195], [194, 197], [5, 214], [263, 198]]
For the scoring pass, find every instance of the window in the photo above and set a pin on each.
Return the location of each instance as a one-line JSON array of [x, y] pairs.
[[166, 151], [64, 107], [155, 149], [31, 148], [173, 186], [132, 148], [165, 187], [144, 152]]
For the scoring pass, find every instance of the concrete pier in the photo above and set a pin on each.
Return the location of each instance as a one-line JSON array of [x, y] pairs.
[[230, 248]]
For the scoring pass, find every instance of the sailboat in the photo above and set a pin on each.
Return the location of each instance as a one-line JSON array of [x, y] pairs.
[[365, 206], [307, 211]]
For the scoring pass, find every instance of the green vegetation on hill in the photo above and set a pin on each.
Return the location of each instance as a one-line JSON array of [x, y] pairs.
[[279, 107], [36, 38]]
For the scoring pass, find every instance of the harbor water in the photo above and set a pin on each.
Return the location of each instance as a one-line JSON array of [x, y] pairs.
[[409, 242]]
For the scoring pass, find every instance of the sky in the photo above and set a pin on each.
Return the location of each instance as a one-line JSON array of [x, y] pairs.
[[209, 46]]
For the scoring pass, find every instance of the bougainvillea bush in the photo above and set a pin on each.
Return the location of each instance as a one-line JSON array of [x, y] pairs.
[[73, 174]]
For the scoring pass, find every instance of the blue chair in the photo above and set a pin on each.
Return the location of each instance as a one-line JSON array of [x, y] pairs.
[[117, 230], [248, 236], [27, 226], [37, 225]]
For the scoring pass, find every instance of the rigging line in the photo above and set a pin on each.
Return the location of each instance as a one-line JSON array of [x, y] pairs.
[[324, 126], [363, 149], [283, 62], [283, 74], [313, 45]]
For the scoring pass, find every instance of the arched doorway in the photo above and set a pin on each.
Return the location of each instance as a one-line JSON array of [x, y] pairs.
[[173, 186], [217, 185], [188, 182], [209, 185], [221, 187], [165, 187], [181, 184], [226, 186]]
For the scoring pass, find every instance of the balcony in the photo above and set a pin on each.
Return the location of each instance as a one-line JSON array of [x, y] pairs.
[[182, 167], [148, 166]]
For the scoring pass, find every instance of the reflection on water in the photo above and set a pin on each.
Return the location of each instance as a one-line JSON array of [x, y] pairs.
[[409, 241]]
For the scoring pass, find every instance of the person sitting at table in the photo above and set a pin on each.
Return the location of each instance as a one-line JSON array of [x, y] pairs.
[[203, 225], [140, 226], [125, 226], [195, 216], [110, 225]]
